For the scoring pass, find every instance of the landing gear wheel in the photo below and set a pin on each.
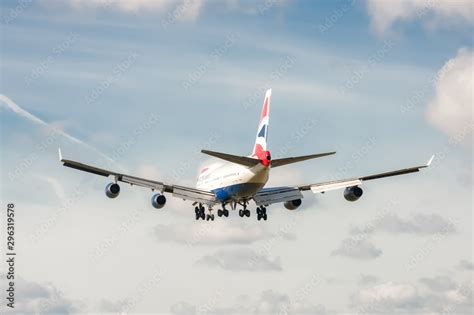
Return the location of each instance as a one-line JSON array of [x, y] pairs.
[[219, 213], [196, 210], [247, 213], [241, 213], [212, 217], [203, 216], [197, 216], [261, 213], [225, 212]]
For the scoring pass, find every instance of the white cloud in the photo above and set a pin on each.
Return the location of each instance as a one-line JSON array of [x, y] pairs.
[[358, 249], [240, 259], [453, 104], [34, 298], [55, 185], [182, 308], [186, 10], [386, 296], [367, 279], [439, 283], [253, 7], [388, 291], [214, 233], [268, 302], [465, 265], [437, 12], [420, 223], [444, 296], [182, 10]]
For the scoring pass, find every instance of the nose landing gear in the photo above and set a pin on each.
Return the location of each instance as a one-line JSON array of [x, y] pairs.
[[223, 212], [244, 212]]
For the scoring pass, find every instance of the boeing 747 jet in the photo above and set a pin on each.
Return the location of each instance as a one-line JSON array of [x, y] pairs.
[[237, 180]]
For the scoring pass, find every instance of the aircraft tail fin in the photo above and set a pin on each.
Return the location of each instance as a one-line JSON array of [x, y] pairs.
[[262, 131]]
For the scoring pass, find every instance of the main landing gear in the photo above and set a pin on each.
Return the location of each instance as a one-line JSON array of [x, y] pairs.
[[244, 212], [261, 213], [200, 212]]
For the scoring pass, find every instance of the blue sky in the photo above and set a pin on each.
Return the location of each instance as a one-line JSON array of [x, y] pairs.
[[385, 84]]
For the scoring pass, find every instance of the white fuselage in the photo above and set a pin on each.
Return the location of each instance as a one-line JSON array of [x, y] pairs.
[[231, 181]]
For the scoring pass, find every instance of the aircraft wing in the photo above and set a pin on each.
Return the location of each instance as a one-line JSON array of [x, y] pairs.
[[186, 193], [344, 183], [272, 195], [267, 196]]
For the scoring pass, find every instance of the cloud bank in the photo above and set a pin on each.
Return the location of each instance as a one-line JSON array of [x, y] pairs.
[[452, 106], [384, 14], [241, 259], [35, 298], [268, 302], [203, 233], [420, 223], [361, 249]]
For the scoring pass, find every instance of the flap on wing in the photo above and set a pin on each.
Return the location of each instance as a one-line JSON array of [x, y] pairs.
[[323, 187], [198, 195], [141, 182], [269, 196]]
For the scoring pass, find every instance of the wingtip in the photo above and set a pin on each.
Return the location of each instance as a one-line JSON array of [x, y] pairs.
[[430, 161], [268, 92], [60, 154]]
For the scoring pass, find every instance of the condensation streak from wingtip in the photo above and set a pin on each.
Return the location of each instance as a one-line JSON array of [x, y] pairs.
[[27, 115]]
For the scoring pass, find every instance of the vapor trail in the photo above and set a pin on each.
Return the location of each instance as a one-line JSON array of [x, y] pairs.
[[8, 103]]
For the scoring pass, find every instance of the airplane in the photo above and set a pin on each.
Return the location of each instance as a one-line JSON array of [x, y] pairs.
[[237, 180]]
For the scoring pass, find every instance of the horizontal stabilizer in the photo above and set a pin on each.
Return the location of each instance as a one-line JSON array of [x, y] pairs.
[[285, 161], [242, 160]]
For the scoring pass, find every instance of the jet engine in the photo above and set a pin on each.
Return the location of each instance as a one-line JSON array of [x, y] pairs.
[[112, 190], [353, 193], [158, 201], [292, 204]]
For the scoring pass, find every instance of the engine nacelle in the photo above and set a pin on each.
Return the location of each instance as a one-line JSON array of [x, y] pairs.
[[112, 190], [158, 201], [353, 193], [292, 204]]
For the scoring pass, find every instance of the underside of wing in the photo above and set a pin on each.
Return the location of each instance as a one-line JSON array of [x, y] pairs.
[[268, 196]]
